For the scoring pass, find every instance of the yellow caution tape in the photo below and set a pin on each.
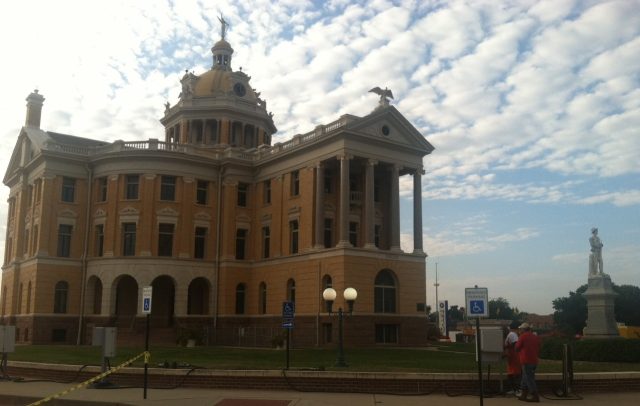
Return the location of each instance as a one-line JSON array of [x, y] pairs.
[[92, 380]]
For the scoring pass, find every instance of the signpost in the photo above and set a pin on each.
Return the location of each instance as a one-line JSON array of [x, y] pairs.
[[288, 314], [147, 293], [443, 310], [477, 302]]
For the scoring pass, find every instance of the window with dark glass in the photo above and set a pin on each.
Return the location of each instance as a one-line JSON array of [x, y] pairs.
[[267, 191], [376, 235], [68, 189], [263, 298], [240, 298], [328, 233], [167, 187], [64, 240], [384, 293], [102, 189], [200, 242], [266, 241], [243, 190], [165, 239], [291, 290], [128, 239], [202, 188], [376, 189], [295, 183], [293, 236], [132, 186], [99, 240], [386, 333], [328, 181], [353, 233], [60, 297], [241, 240]]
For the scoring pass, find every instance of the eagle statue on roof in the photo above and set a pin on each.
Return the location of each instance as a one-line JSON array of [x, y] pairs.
[[385, 95]]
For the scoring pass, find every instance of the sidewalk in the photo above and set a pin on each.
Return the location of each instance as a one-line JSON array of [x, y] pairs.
[[20, 394]]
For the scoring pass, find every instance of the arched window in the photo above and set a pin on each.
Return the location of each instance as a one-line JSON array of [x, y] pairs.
[[385, 292], [291, 290], [263, 298], [327, 282], [240, 298], [60, 297]]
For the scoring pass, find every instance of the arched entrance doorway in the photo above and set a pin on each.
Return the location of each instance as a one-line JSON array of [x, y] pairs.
[[126, 300], [162, 300]]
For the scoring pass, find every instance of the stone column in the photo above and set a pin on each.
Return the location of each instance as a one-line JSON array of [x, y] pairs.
[[395, 207], [343, 232], [369, 209], [319, 243], [417, 212]]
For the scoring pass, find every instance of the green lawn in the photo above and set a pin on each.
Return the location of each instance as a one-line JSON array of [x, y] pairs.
[[455, 357]]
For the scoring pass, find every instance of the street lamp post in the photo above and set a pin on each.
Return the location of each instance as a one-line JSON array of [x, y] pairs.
[[329, 295]]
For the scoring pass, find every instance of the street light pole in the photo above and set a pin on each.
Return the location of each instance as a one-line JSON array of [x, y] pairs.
[[350, 295], [436, 285]]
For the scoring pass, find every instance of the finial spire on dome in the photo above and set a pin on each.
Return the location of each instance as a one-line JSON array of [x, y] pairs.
[[224, 25], [222, 51]]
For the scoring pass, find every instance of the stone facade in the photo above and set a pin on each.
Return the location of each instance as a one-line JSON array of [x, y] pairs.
[[223, 225]]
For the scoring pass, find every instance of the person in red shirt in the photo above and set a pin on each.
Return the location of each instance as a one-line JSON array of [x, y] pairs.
[[528, 348]]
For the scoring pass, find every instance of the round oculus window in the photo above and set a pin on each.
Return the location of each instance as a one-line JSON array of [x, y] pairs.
[[385, 130], [239, 89]]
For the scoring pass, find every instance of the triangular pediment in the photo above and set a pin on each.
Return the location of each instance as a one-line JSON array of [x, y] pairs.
[[388, 125], [29, 139]]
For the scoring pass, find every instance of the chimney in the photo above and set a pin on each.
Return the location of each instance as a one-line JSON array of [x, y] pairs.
[[34, 109]]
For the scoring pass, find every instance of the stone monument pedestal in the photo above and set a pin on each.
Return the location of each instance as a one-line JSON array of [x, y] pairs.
[[601, 320]]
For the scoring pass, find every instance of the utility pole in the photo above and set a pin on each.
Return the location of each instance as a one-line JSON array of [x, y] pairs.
[[436, 285]]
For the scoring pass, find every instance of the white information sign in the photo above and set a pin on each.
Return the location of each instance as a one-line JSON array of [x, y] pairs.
[[477, 301], [146, 299]]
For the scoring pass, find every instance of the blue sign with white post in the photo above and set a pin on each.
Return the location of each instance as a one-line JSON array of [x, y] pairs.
[[288, 313], [147, 292]]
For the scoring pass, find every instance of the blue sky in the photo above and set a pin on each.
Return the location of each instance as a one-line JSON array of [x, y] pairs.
[[533, 108]]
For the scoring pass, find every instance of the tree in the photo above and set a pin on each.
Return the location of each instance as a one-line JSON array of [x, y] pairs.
[[570, 313], [499, 309], [627, 304]]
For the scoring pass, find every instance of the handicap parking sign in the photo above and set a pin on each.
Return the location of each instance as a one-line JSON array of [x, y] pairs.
[[477, 302]]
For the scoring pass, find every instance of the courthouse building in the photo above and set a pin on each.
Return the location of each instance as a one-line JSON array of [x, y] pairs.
[[222, 223]]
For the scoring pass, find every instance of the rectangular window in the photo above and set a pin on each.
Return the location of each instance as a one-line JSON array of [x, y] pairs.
[[328, 181], [200, 242], [376, 235], [327, 332], [266, 241], [167, 188], [165, 240], [128, 239], [293, 231], [295, 183], [201, 191], [376, 189], [99, 240], [386, 333], [241, 240], [353, 233], [132, 186], [102, 189], [328, 233], [243, 190], [59, 335], [64, 240], [267, 191], [68, 189]]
